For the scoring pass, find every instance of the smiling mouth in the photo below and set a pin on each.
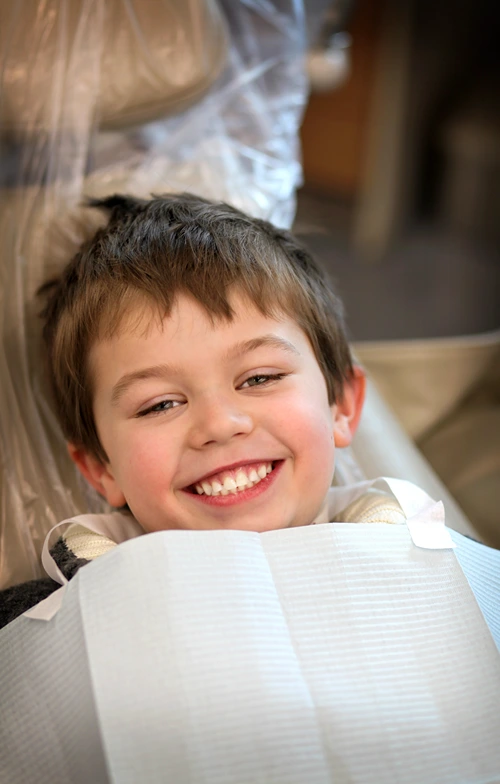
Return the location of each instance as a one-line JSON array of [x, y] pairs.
[[233, 482]]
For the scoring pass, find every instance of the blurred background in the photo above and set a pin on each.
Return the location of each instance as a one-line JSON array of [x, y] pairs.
[[401, 156], [401, 205]]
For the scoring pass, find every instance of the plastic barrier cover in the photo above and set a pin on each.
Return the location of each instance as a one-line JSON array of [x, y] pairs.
[[134, 95]]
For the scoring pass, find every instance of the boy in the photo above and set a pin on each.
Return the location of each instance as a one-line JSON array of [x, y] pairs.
[[201, 374]]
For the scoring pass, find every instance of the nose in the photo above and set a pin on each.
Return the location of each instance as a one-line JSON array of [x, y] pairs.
[[217, 420]]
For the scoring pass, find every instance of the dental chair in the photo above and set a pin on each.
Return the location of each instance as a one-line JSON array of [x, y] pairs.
[[433, 416], [150, 97]]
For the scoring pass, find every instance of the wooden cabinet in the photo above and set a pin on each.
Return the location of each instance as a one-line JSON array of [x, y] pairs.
[[334, 130]]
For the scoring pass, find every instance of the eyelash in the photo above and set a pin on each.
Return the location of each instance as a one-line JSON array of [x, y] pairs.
[[268, 376], [156, 410]]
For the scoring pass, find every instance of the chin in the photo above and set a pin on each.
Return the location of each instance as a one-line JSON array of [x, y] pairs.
[[261, 527]]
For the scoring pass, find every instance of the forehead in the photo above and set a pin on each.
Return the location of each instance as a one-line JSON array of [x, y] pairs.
[[186, 334], [141, 318]]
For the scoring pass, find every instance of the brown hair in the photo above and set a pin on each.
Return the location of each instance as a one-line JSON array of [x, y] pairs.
[[157, 248]]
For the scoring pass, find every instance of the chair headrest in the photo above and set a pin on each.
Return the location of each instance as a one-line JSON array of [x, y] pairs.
[[117, 63]]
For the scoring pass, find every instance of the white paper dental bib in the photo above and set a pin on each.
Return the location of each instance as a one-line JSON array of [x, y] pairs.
[[331, 653]]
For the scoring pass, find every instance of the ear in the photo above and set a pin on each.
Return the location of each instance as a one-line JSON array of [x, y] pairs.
[[347, 411], [97, 474]]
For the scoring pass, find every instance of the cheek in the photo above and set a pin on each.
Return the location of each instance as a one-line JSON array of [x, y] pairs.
[[139, 460], [307, 428]]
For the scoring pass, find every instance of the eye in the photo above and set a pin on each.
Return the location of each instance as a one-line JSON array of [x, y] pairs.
[[159, 408], [260, 379]]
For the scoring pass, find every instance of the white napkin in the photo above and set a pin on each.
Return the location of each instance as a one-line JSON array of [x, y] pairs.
[[331, 653]]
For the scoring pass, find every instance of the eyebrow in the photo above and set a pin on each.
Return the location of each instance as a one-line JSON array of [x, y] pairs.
[[245, 346], [126, 381], [164, 370]]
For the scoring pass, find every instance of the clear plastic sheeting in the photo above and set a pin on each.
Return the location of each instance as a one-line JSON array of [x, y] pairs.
[[132, 95]]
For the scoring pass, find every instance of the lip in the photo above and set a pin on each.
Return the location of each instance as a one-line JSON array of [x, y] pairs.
[[229, 467], [243, 496]]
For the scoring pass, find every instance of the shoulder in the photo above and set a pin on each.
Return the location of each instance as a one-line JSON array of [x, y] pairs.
[[373, 506], [83, 543], [76, 547], [79, 545], [14, 601]]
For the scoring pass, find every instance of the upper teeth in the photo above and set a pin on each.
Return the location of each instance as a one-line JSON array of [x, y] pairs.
[[233, 483]]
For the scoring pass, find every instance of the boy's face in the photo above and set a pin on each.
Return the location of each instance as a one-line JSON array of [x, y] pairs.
[[237, 410]]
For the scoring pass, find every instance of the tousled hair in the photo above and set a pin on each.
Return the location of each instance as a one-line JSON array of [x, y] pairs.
[[153, 250]]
